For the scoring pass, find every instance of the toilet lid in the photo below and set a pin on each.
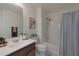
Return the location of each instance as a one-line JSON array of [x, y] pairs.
[[41, 46]]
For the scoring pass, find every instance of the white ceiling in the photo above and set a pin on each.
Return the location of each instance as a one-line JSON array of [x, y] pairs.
[[55, 7]]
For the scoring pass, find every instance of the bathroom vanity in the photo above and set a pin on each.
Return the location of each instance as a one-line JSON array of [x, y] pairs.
[[25, 51], [21, 48]]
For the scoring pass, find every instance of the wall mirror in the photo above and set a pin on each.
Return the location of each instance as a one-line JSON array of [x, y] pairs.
[[11, 16]]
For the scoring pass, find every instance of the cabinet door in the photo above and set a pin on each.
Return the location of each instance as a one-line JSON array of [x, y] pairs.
[[31, 53]]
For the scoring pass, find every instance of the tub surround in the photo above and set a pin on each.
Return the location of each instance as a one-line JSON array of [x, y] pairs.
[[13, 47]]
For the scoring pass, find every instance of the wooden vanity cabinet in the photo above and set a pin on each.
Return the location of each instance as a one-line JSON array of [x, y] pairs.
[[29, 50]]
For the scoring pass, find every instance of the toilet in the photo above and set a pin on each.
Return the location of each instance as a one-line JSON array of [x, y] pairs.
[[40, 50]]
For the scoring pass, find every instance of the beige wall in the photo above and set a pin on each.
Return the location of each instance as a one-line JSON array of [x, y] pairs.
[[28, 11], [39, 23]]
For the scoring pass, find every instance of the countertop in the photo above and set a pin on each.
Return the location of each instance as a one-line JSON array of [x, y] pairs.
[[12, 47]]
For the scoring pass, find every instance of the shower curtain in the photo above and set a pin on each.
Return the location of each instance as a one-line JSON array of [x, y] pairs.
[[69, 34]]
